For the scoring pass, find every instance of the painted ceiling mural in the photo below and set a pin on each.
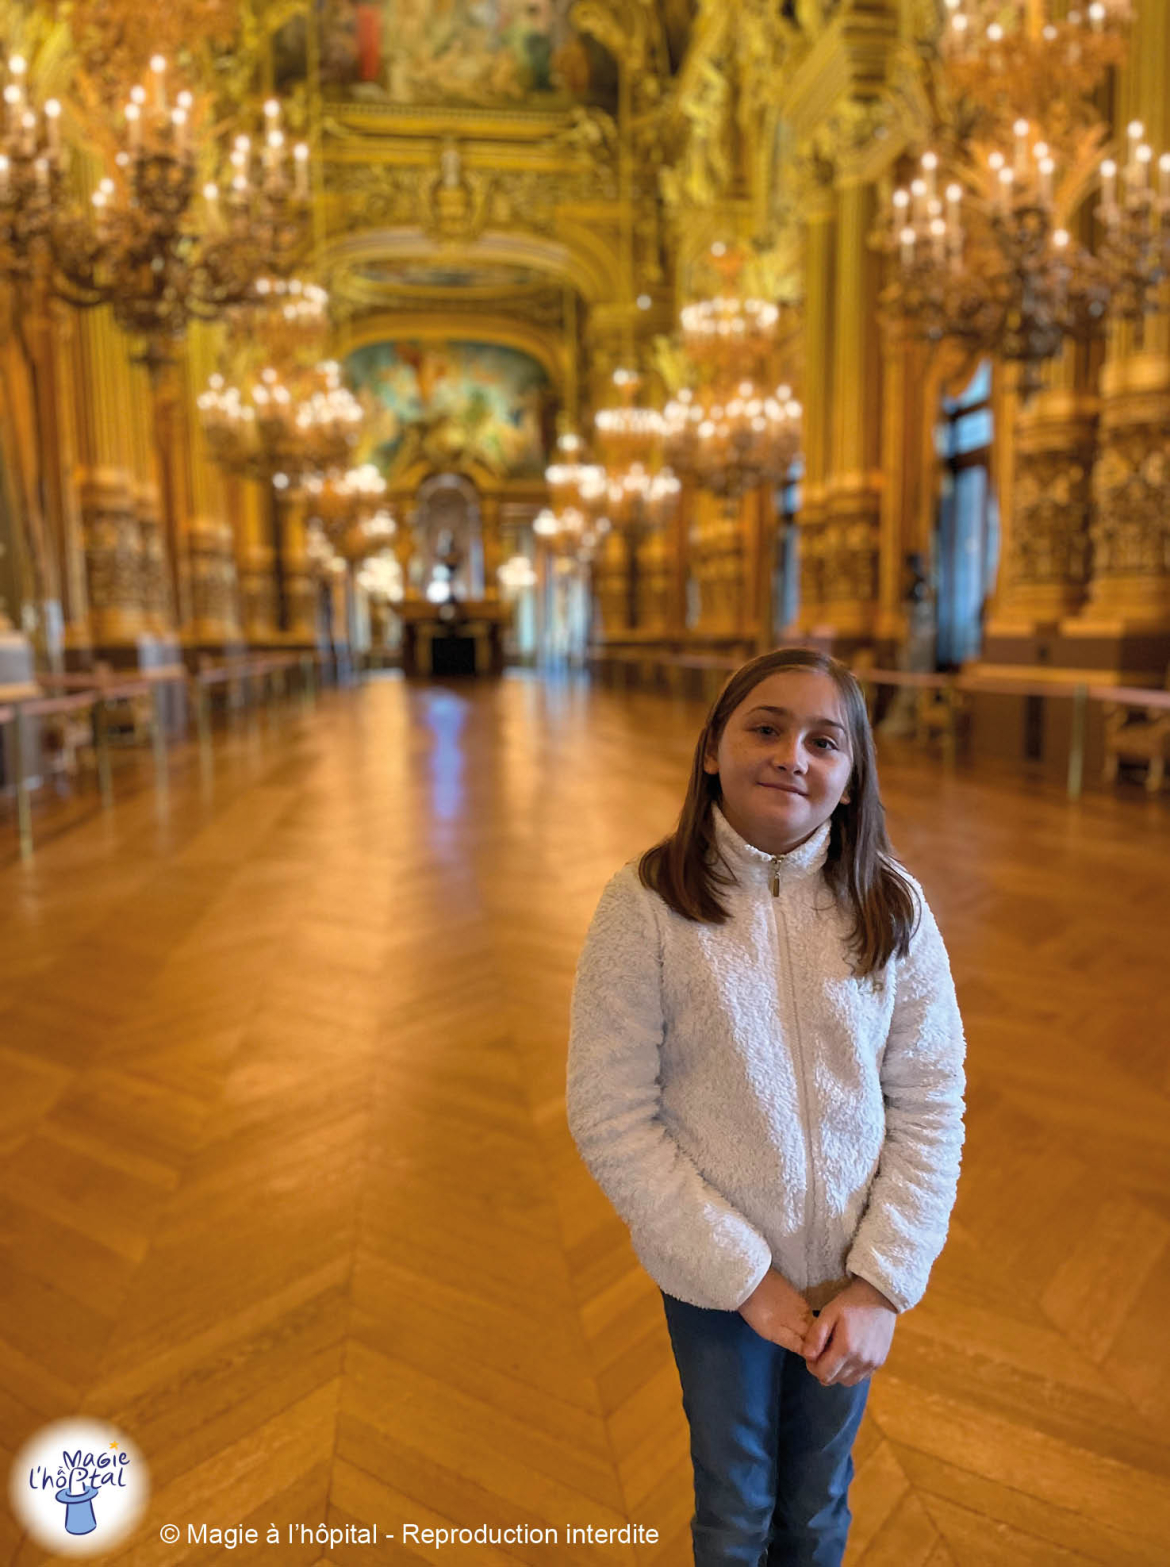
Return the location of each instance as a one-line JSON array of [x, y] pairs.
[[452, 52], [453, 403]]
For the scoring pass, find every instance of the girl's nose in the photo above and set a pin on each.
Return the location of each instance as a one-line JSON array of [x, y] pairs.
[[789, 756]]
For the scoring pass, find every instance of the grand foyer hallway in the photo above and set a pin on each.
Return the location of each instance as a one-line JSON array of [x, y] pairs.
[[287, 1191]]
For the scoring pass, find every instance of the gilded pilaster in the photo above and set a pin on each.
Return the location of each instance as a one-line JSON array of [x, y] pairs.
[[106, 484], [254, 564], [853, 491], [820, 238], [300, 593], [1044, 566], [1124, 622], [49, 328], [214, 619], [654, 581]]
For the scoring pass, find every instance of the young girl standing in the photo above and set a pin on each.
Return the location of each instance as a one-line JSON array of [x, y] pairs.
[[766, 1079]]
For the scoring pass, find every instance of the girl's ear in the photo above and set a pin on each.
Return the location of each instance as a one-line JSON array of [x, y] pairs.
[[710, 765]]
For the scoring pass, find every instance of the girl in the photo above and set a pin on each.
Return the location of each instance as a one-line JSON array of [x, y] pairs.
[[766, 1079]]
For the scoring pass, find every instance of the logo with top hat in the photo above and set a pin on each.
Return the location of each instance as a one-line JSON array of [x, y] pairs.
[[79, 1486]]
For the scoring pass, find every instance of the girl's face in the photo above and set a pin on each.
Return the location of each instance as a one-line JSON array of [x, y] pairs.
[[784, 759]]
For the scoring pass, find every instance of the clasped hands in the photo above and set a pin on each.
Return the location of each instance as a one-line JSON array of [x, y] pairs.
[[845, 1344]]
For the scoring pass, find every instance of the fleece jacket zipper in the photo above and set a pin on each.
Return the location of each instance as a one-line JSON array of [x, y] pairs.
[[780, 922]]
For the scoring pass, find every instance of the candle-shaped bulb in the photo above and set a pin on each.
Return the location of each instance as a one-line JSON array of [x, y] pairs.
[[1135, 130], [301, 154], [907, 239], [272, 109], [995, 160], [184, 100], [158, 65], [138, 95], [1060, 238], [210, 191], [1047, 165], [995, 33], [53, 125]]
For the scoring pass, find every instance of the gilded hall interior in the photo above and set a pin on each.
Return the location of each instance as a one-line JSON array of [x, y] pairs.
[[412, 412], [510, 206]]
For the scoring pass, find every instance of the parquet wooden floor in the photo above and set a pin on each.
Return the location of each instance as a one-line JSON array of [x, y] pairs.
[[287, 1191]]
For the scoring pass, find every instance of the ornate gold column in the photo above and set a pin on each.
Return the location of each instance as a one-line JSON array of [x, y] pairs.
[[213, 623], [49, 330], [679, 557], [254, 565], [107, 486], [853, 490], [151, 425], [1124, 623], [300, 593], [1044, 558], [817, 393]]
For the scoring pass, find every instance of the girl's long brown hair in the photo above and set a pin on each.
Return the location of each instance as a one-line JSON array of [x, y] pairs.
[[860, 867]]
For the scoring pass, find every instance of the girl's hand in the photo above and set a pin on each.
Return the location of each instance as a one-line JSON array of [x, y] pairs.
[[778, 1312], [851, 1338]]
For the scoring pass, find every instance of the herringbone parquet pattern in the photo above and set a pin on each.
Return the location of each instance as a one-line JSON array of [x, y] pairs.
[[286, 1189]]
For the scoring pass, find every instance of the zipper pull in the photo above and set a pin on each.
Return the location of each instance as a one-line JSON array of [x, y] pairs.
[[775, 878]]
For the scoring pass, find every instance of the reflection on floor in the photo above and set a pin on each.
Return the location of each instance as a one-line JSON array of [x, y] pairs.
[[287, 1191]]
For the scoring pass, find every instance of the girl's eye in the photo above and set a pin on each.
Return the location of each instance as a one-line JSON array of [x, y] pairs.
[[825, 739]]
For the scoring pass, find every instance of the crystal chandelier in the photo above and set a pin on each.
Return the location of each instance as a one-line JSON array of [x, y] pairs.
[[993, 266], [286, 424], [30, 174], [159, 253], [577, 491], [351, 499], [638, 491], [733, 430], [991, 259]]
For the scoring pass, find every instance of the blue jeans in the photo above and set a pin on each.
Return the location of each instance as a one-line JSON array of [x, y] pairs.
[[771, 1448]]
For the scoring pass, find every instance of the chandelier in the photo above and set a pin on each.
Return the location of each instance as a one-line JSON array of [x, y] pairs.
[[638, 491], [159, 252], [577, 491], [281, 424], [734, 429], [30, 173], [998, 56], [990, 258], [352, 503], [1003, 275]]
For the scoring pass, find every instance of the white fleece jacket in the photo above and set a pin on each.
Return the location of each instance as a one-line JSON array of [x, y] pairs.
[[745, 1102]]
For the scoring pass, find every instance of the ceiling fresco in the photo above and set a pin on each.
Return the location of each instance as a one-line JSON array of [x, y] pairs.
[[451, 52], [453, 404]]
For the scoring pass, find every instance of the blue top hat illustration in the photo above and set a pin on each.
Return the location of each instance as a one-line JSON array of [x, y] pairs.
[[79, 1518]]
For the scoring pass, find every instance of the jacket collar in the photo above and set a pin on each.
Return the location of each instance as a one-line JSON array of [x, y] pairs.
[[752, 865]]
